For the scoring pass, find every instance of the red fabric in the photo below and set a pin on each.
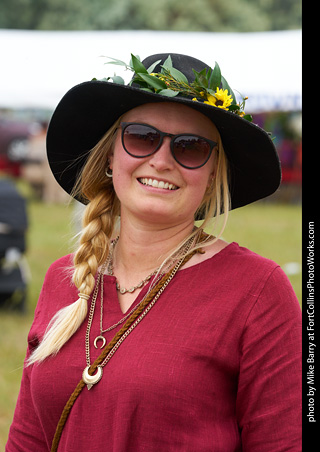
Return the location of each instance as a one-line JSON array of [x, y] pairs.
[[214, 366]]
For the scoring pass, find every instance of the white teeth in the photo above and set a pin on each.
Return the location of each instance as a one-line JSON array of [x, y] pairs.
[[157, 184]]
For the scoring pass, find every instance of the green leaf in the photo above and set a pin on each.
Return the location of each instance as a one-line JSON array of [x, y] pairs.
[[117, 79], [116, 62], [153, 81], [215, 78], [168, 92], [137, 65], [147, 89], [151, 68], [234, 107], [135, 56], [201, 78], [178, 75], [104, 79], [211, 91], [168, 63], [138, 80], [225, 85], [248, 118]]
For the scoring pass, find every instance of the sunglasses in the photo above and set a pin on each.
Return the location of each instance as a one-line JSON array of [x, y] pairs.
[[190, 151]]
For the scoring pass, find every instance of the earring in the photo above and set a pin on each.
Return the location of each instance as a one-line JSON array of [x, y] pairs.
[[109, 174]]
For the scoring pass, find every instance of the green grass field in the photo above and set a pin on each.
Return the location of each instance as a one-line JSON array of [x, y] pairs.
[[272, 230]]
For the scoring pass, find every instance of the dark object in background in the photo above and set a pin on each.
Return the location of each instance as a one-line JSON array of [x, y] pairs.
[[14, 137], [13, 267]]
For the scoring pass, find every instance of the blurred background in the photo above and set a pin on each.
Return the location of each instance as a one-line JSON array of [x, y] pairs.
[[48, 46]]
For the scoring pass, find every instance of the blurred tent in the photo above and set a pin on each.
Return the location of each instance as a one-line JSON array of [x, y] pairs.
[[38, 67]]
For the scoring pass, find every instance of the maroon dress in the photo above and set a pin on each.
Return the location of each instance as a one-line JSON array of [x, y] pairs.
[[215, 366]]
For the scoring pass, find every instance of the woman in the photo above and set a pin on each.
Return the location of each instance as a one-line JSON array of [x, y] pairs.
[[199, 338]]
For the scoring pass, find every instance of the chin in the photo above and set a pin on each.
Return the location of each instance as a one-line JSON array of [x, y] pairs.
[[166, 216]]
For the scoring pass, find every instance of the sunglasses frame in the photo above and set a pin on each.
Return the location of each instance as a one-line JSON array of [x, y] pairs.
[[124, 125]]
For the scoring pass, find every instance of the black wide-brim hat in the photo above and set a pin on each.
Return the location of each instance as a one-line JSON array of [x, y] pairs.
[[89, 109]]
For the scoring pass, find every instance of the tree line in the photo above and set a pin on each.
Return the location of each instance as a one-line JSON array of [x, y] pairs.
[[173, 15]]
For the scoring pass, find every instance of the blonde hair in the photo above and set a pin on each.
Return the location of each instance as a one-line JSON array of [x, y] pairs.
[[216, 202], [99, 220], [103, 207]]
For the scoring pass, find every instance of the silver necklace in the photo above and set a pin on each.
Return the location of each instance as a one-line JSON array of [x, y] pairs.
[[123, 290]]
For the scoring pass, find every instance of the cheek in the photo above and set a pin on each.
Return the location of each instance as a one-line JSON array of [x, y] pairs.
[[202, 181], [198, 186], [120, 161], [202, 178], [123, 170]]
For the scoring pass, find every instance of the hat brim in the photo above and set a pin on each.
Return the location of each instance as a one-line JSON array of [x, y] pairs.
[[89, 109]]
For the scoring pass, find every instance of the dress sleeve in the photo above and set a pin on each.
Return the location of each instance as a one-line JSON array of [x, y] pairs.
[[269, 388]]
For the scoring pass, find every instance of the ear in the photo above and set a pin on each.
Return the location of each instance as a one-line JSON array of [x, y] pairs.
[[211, 178], [110, 160]]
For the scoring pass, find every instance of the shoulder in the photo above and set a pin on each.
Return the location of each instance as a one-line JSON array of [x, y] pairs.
[[57, 292], [62, 263], [237, 258], [256, 267], [241, 272], [265, 280], [62, 266], [58, 279], [258, 271], [250, 259]]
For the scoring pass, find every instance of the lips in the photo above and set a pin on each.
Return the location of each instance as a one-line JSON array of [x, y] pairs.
[[157, 183]]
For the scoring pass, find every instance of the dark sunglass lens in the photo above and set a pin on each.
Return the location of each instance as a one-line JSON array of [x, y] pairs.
[[140, 140], [191, 151]]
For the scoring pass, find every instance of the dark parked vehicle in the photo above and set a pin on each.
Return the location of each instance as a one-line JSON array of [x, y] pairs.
[[14, 270], [14, 144]]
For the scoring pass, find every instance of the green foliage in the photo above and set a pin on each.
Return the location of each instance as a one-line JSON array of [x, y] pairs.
[[177, 15], [209, 85]]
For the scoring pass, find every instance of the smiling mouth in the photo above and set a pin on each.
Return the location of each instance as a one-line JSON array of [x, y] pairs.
[[157, 183]]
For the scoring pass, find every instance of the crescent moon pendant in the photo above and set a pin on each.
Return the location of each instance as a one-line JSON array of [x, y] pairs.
[[91, 380], [103, 341]]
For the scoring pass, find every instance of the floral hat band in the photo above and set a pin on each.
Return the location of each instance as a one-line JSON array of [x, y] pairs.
[[208, 86]]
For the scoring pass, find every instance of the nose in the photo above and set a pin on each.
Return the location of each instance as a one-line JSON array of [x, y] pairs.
[[163, 159]]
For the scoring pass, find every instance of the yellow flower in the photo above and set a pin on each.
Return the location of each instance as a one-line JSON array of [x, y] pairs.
[[221, 99]]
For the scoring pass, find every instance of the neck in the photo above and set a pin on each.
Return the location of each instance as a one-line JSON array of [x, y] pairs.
[[141, 249]]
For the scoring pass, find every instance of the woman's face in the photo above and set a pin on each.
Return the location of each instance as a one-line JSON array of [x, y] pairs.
[[156, 188]]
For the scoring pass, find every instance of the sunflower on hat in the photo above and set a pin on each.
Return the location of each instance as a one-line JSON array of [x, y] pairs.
[[220, 99]]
